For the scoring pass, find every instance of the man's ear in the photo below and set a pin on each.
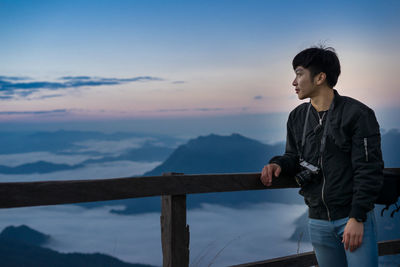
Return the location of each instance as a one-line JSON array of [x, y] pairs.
[[320, 78]]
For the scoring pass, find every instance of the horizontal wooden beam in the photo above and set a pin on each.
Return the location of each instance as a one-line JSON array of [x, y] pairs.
[[25, 194], [389, 247], [302, 259]]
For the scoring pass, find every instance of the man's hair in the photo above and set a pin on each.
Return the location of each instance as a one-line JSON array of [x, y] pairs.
[[317, 60]]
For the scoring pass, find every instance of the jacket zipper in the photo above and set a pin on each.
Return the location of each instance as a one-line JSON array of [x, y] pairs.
[[322, 193], [366, 149]]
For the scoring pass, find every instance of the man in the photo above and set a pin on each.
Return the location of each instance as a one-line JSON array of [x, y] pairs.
[[333, 151]]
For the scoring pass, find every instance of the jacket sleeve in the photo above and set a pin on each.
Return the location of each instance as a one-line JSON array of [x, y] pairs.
[[289, 162], [367, 164]]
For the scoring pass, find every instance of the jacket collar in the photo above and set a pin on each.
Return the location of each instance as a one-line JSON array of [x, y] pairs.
[[336, 99]]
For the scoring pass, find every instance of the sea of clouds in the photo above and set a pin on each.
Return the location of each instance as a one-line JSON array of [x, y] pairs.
[[115, 169], [219, 235], [85, 150]]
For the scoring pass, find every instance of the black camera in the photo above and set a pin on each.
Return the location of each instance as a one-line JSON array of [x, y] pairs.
[[310, 173]]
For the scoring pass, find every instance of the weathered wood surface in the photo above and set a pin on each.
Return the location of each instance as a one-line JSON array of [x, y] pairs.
[[24, 194], [302, 259], [389, 247], [174, 231]]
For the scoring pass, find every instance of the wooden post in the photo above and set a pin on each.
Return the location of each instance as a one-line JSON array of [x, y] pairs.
[[174, 230]]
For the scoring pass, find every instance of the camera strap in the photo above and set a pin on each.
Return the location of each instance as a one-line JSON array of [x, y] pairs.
[[324, 135], [303, 139]]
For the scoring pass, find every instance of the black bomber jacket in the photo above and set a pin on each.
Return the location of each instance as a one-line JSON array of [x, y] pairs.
[[351, 164]]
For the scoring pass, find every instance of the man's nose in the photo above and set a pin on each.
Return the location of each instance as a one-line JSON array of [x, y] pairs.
[[294, 83]]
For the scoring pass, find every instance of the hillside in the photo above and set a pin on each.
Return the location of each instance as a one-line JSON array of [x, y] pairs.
[[230, 154], [21, 246], [218, 154]]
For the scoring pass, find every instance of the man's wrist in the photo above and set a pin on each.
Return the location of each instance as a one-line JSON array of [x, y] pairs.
[[358, 219], [357, 212], [276, 160]]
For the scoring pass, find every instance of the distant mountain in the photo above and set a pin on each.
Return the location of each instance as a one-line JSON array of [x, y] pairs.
[[20, 246], [218, 154], [24, 235], [301, 229], [391, 148], [205, 154], [62, 140], [38, 167], [233, 154], [23, 142], [154, 148], [147, 153]]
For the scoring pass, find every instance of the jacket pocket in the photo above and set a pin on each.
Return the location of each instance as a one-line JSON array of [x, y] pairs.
[[371, 148], [366, 149]]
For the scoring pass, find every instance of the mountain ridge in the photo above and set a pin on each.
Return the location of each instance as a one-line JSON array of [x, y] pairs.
[[22, 246]]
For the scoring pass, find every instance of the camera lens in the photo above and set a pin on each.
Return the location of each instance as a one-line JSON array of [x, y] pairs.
[[303, 177]]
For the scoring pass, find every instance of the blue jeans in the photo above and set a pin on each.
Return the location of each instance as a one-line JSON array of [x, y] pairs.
[[326, 238]]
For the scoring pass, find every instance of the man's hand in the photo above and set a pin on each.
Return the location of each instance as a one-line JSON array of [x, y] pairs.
[[268, 171], [353, 234]]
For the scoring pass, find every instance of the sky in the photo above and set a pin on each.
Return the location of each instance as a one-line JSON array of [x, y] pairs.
[[74, 61], [182, 68]]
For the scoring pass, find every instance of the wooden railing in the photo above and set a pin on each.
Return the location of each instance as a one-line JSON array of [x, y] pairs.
[[173, 187]]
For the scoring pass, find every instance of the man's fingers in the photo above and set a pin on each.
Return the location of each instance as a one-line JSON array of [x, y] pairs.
[[360, 240], [353, 243], [269, 175], [277, 171], [268, 171], [264, 176], [263, 173], [346, 241], [352, 235]]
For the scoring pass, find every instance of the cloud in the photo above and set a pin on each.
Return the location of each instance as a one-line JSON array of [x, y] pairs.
[[6, 97], [258, 232], [187, 109], [14, 160], [36, 112], [75, 78], [115, 147], [48, 96], [173, 110], [178, 82], [13, 78], [77, 81], [104, 170], [258, 97], [208, 109], [11, 86]]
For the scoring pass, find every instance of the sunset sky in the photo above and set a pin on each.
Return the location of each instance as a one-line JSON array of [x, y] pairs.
[[94, 60]]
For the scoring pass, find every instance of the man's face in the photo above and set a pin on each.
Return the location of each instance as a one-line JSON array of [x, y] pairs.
[[303, 83]]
